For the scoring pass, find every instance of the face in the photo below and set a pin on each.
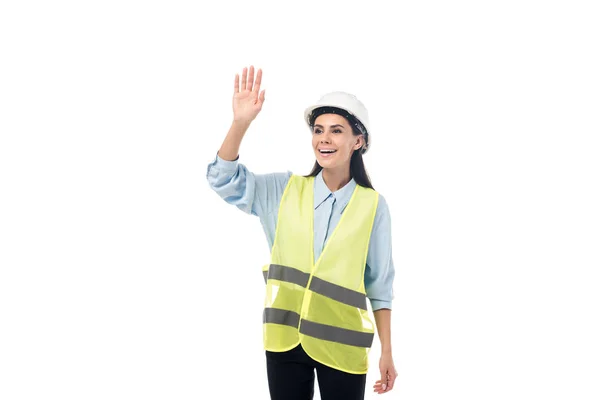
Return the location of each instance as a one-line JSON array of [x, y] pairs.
[[332, 132]]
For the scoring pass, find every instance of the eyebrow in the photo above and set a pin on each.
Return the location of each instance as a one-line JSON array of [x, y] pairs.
[[332, 126]]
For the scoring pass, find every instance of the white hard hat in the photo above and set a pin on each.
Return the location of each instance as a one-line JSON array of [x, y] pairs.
[[349, 103]]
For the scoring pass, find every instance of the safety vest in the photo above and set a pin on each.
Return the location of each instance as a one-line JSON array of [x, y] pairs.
[[322, 304]]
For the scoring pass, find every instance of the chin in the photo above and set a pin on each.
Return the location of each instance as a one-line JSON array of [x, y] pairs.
[[326, 163]]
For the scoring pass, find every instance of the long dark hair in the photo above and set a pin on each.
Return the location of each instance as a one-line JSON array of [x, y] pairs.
[[357, 165]]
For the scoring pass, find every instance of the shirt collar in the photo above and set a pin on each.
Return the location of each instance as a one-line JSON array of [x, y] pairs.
[[342, 196]]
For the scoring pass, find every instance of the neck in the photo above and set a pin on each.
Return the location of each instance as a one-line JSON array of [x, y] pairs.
[[336, 179]]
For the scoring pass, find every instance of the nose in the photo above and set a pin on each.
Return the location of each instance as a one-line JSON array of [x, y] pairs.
[[325, 137]]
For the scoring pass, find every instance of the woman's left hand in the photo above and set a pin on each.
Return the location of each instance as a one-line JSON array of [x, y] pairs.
[[388, 374]]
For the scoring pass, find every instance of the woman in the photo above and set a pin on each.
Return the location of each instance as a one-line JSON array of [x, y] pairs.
[[330, 239]]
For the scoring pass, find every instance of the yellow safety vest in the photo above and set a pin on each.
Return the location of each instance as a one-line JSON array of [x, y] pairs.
[[322, 304]]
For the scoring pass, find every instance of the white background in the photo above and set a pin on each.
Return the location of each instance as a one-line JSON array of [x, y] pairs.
[[123, 276]]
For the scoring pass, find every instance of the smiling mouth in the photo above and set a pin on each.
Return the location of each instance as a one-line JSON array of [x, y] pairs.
[[327, 151]]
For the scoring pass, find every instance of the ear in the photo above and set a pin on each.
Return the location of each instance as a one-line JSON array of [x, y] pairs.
[[359, 142]]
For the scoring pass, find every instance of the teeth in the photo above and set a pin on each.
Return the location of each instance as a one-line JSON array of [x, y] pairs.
[[327, 151]]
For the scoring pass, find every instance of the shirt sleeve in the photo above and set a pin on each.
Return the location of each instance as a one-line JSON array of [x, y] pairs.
[[379, 272], [255, 194]]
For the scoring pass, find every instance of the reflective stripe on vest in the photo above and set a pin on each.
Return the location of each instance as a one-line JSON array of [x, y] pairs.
[[321, 331], [335, 334], [281, 317], [317, 285], [320, 304]]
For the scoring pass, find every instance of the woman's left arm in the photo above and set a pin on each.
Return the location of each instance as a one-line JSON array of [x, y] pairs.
[[387, 369], [379, 280]]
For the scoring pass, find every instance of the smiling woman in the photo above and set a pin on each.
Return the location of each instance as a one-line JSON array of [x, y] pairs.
[[347, 132], [330, 239]]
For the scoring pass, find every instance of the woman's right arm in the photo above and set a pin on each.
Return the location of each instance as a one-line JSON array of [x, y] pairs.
[[230, 148], [253, 194], [247, 103], [256, 194]]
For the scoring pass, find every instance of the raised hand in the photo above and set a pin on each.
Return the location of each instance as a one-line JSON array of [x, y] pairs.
[[247, 97]]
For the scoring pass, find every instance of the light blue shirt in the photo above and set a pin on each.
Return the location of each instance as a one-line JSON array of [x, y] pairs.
[[260, 194]]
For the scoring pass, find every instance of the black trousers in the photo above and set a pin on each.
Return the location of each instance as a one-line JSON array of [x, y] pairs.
[[291, 376]]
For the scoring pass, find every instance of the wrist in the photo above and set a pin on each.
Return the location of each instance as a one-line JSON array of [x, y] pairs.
[[241, 124], [386, 351], [238, 129]]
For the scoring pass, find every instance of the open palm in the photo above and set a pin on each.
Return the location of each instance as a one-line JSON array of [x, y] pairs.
[[247, 97]]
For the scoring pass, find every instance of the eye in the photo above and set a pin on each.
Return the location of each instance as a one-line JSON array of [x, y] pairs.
[[317, 131], [337, 130]]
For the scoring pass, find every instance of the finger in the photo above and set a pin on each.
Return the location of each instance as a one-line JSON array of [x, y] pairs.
[[384, 380], [250, 78], [390, 384], [262, 96], [258, 81], [391, 381], [378, 390], [236, 84], [244, 72]]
